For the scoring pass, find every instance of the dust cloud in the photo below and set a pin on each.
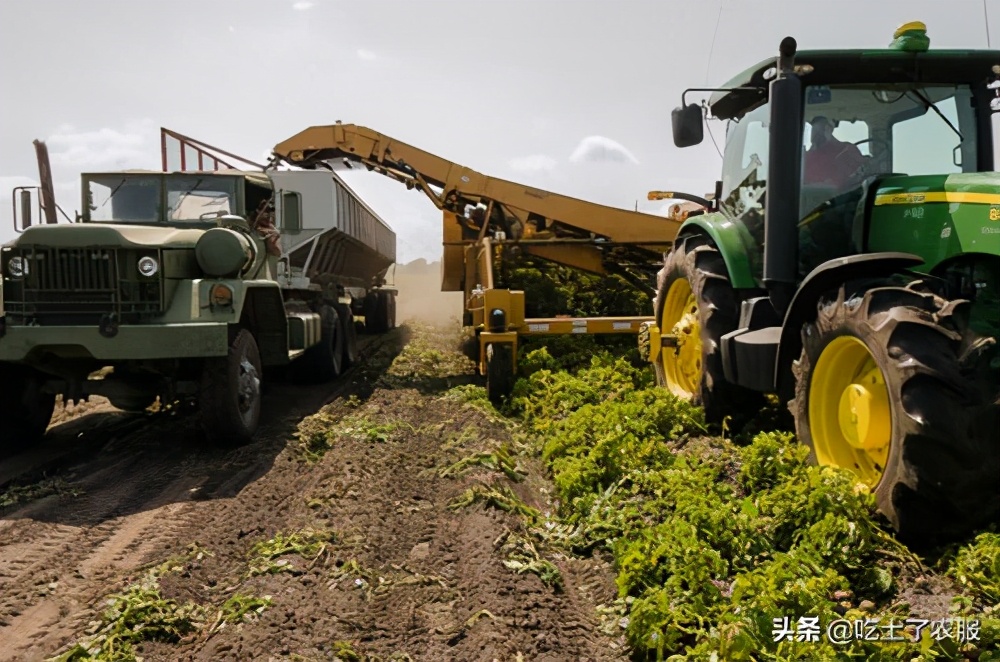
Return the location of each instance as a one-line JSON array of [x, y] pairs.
[[420, 297]]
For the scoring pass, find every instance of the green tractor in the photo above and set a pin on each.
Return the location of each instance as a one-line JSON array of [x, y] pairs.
[[849, 262]]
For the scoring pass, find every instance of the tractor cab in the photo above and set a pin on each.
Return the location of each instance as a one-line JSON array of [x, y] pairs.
[[865, 118], [850, 265]]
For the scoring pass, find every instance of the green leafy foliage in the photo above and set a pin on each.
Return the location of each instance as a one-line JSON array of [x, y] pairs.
[[712, 541]]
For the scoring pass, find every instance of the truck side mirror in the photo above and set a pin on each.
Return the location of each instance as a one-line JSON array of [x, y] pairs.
[[22, 208], [688, 125]]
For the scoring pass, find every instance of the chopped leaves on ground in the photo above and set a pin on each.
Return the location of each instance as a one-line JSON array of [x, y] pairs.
[[726, 552]]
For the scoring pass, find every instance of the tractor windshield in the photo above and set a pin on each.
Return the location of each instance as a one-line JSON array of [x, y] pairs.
[[854, 132]]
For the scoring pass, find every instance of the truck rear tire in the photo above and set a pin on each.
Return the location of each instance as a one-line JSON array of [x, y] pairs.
[[230, 393], [25, 409], [322, 362], [499, 372], [389, 304], [349, 332], [372, 314], [892, 385], [696, 301]]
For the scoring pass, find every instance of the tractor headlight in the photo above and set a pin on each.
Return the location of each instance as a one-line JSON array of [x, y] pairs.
[[17, 267], [148, 266]]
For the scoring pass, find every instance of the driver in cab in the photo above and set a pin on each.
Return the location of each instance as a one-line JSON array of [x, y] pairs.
[[829, 161]]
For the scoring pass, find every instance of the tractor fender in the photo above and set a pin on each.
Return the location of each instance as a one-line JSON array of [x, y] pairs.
[[825, 277], [726, 236]]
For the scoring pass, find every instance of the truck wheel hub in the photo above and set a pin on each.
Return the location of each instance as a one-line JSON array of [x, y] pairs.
[[249, 385]]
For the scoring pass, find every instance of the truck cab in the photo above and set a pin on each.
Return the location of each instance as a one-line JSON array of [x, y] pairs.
[[177, 285]]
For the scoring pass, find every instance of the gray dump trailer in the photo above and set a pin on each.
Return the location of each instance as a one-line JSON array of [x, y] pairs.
[[194, 284]]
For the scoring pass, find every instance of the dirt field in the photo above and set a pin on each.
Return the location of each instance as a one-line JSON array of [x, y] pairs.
[[339, 541]]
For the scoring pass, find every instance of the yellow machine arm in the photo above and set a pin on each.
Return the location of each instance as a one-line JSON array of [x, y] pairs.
[[548, 225]]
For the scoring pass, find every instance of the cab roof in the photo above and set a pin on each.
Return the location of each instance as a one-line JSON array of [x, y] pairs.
[[833, 67], [253, 176]]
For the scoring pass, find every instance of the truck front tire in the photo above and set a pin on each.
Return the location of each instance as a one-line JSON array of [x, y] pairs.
[[25, 409], [230, 393]]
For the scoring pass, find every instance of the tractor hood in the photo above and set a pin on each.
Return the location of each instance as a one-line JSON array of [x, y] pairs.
[[937, 216], [82, 235]]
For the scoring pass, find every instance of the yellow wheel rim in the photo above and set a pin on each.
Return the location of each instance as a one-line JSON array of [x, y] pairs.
[[850, 419], [682, 364]]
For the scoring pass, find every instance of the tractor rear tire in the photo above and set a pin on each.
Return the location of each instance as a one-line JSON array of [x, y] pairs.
[[230, 393], [322, 362], [696, 300], [891, 385], [25, 409], [499, 372]]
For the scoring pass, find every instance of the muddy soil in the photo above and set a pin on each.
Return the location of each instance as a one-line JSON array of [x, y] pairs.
[[399, 574]]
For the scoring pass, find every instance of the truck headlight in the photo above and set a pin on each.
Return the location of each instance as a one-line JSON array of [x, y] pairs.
[[148, 266], [17, 267], [220, 295]]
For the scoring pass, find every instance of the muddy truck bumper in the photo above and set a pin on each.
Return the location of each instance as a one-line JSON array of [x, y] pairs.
[[131, 342]]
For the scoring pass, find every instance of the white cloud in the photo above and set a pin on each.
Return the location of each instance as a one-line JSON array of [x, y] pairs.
[[601, 150], [132, 146], [532, 163], [303, 5], [364, 54]]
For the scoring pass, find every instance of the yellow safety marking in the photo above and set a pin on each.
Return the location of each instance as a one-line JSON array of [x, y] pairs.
[[937, 196]]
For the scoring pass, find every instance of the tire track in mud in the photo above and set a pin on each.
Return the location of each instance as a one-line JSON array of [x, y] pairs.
[[136, 489]]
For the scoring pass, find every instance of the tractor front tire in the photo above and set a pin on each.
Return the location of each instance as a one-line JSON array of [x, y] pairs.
[[696, 301], [887, 387], [25, 409], [230, 393]]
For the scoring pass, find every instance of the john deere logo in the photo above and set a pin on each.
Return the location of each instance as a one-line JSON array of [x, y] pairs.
[[907, 198], [995, 213]]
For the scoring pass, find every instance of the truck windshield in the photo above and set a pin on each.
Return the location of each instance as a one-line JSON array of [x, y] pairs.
[[131, 198], [197, 198], [159, 199]]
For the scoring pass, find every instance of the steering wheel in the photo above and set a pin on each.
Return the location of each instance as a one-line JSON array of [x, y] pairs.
[[883, 145]]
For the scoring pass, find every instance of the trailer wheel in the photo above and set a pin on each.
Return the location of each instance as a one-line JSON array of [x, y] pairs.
[[696, 302], [390, 310], [372, 309], [322, 362], [349, 332], [25, 409], [230, 393], [893, 385], [499, 372]]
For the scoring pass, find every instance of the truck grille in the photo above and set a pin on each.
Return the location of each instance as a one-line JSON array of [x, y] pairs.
[[80, 285]]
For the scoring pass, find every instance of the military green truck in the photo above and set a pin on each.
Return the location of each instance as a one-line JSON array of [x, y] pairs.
[[188, 286]]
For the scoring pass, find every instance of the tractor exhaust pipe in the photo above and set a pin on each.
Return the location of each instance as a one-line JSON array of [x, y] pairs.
[[781, 210]]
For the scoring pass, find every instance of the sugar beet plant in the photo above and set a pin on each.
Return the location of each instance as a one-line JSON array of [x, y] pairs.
[[717, 545]]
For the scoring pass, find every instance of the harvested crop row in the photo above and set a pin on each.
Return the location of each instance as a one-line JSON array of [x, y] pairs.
[[721, 551]]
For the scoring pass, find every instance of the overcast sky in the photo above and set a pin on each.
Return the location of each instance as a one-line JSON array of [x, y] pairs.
[[570, 96]]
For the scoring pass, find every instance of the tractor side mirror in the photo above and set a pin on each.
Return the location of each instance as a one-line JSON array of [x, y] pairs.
[[688, 125]]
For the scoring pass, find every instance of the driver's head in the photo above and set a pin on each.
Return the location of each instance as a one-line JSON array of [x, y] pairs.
[[822, 130]]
